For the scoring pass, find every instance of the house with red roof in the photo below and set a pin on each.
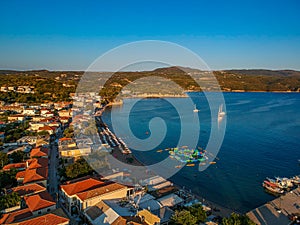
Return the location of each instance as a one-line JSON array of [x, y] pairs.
[[20, 176], [40, 152], [17, 166], [40, 203], [64, 119], [68, 191], [85, 193], [15, 216], [49, 129], [29, 189], [38, 175], [108, 191], [48, 219], [37, 163]]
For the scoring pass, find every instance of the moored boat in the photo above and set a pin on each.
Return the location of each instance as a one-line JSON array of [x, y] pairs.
[[272, 187]]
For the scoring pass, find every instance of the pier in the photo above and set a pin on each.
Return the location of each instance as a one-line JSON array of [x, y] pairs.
[[279, 211]]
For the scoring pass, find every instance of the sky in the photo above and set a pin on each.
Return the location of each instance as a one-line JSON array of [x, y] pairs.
[[70, 35]]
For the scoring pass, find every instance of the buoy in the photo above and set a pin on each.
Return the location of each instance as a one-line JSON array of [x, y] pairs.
[[190, 164]]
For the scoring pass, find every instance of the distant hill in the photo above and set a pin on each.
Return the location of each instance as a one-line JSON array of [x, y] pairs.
[[57, 85], [265, 72]]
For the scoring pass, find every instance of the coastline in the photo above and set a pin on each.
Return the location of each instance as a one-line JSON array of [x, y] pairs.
[[216, 208], [120, 102]]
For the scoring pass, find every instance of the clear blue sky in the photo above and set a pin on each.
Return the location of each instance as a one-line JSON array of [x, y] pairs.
[[69, 35]]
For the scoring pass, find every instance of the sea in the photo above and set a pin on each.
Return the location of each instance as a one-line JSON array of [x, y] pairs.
[[261, 139]]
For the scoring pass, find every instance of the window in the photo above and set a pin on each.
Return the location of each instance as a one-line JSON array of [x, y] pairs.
[[48, 210], [39, 212]]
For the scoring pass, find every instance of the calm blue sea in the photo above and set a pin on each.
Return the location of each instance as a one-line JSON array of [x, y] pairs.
[[262, 139]]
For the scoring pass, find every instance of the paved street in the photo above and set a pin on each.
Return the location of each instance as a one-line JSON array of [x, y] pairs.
[[53, 164]]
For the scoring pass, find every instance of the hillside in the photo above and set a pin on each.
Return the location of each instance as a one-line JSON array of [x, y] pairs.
[[57, 85]]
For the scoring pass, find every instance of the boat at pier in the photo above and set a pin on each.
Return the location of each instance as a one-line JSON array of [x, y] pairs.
[[272, 187]]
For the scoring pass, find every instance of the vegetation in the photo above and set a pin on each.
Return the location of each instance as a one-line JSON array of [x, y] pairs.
[[48, 86], [79, 169], [236, 219], [189, 215], [16, 130], [183, 217], [3, 159], [8, 179], [69, 132], [57, 86], [11, 200], [17, 156]]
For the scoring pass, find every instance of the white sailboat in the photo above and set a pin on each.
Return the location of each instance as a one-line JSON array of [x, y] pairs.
[[221, 113], [195, 109]]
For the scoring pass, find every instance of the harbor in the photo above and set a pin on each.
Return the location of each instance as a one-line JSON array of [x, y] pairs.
[[281, 210]]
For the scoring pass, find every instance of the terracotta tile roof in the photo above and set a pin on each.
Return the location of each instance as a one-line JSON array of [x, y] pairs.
[[100, 191], [14, 165], [47, 128], [29, 189], [81, 186], [38, 174], [65, 139], [39, 201], [39, 152], [15, 216], [20, 175], [48, 219], [37, 163]]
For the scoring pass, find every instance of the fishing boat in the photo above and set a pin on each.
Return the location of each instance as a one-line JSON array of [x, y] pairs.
[[159, 150], [273, 181], [195, 109], [213, 162], [272, 187], [284, 182], [296, 180], [221, 113]]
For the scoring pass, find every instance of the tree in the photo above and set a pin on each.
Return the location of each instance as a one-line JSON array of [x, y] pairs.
[[17, 156], [43, 133], [198, 212], [236, 219], [8, 178], [3, 159], [69, 132], [78, 169], [11, 200], [183, 217]]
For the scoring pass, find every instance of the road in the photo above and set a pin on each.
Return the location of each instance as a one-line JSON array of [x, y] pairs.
[[52, 169]]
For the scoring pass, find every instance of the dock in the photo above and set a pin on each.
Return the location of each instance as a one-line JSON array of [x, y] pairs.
[[279, 211]]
